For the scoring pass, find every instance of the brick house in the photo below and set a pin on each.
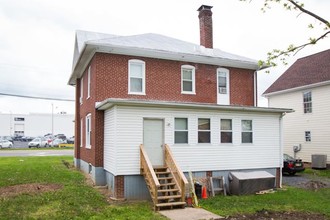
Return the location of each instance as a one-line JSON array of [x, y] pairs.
[[305, 87], [153, 90]]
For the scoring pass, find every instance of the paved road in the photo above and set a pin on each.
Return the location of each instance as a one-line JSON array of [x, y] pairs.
[[40, 153]]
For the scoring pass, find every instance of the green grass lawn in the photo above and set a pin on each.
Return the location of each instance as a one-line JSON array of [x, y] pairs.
[[75, 200]]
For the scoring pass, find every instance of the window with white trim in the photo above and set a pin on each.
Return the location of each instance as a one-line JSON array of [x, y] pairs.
[[81, 90], [247, 132], [222, 83], [204, 130], [187, 79], [89, 82], [226, 131], [181, 130], [136, 77], [307, 98], [308, 137], [81, 132], [88, 131]]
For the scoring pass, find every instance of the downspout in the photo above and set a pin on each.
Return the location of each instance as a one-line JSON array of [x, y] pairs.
[[281, 145], [255, 87]]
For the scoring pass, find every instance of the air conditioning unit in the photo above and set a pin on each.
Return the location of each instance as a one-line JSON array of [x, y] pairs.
[[319, 161], [241, 183]]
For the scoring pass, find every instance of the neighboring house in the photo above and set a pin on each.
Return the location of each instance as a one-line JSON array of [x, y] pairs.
[[153, 90], [305, 88]]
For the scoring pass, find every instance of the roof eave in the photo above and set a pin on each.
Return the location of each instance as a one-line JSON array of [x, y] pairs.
[[91, 48], [108, 103]]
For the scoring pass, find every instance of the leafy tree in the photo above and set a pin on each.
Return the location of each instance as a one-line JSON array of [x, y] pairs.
[[292, 5]]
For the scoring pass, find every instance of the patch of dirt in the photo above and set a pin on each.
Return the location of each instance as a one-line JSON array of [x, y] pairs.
[[32, 188], [270, 215], [313, 185]]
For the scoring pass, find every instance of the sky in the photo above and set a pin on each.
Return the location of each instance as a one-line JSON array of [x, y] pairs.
[[37, 39]]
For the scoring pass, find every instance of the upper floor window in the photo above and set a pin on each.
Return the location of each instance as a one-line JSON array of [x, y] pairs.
[[247, 132], [136, 77], [181, 131], [204, 130], [88, 130], [19, 119], [89, 82], [308, 137], [188, 79], [81, 132], [226, 131], [81, 90], [223, 81], [307, 102]]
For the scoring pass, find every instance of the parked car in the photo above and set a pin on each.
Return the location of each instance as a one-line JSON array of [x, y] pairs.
[[5, 144], [57, 141], [291, 165], [70, 140], [38, 142]]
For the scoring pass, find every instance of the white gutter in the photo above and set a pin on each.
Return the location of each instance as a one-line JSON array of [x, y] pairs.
[[108, 103]]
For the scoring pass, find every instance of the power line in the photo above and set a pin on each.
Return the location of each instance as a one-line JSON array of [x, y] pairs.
[[37, 97]]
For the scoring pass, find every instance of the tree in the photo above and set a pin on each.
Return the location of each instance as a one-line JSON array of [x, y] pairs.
[[293, 5]]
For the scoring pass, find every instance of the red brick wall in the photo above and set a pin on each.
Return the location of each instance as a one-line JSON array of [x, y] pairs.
[[119, 187], [109, 79]]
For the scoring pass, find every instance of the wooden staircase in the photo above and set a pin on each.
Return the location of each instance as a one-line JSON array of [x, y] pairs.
[[167, 184]]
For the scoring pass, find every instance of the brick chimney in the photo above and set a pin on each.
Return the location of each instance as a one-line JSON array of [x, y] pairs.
[[205, 26]]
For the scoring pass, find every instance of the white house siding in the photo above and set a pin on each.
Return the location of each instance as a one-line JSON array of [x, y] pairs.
[[263, 153], [295, 124], [110, 140]]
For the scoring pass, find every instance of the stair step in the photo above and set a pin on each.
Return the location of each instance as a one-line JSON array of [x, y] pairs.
[[165, 178], [162, 172], [167, 184], [169, 197], [170, 204], [168, 190]]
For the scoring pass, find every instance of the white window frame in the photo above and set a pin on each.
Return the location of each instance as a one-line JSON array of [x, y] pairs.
[[193, 80], [250, 131], [308, 109], [88, 130], [209, 131], [81, 90], [175, 130], [89, 82], [81, 132], [143, 65], [232, 133], [225, 73]]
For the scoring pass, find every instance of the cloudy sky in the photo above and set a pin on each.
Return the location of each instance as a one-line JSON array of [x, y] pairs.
[[37, 38]]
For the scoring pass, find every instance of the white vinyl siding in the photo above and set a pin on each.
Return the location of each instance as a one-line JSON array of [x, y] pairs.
[[89, 82], [187, 79], [295, 124], [88, 131], [136, 77], [122, 155]]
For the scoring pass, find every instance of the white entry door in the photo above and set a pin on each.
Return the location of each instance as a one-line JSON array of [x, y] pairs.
[[153, 133]]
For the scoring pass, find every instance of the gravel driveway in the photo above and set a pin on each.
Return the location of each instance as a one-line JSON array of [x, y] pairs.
[[307, 181]]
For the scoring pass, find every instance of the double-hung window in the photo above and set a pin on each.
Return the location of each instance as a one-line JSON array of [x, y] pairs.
[[308, 137], [88, 130], [136, 77], [89, 82], [187, 79], [307, 96], [81, 90], [181, 131], [247, 132], [226, 131], [222, 83], [204, 130]]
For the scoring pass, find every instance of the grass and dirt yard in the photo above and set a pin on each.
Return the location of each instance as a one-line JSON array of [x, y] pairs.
[[50, 188]]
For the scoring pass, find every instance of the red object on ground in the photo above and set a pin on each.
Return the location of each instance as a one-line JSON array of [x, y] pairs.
[[204, 193]]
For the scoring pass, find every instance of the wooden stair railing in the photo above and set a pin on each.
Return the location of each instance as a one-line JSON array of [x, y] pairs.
[[149, 174], [178, 175]]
